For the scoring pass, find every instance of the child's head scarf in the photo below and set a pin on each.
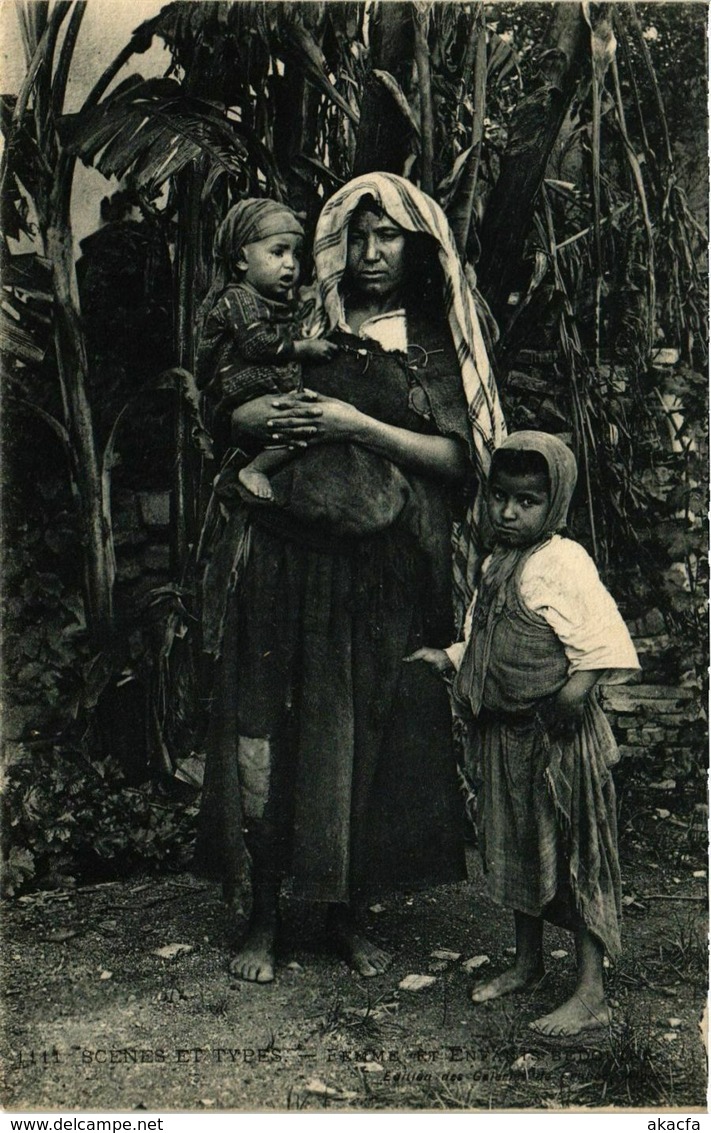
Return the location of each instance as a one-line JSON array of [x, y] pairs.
[[411, 209], [562, 472]]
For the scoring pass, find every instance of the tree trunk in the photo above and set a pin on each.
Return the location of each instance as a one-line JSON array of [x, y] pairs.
[[421, 18], [534, 128], [183, 502], [383, 137], [86, 472]]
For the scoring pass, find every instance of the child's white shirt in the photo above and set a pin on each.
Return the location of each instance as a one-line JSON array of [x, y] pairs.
[[560, 582]]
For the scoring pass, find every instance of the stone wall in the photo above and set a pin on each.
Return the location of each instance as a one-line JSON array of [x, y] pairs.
[[651, 719], [654, 720], [141, 535]]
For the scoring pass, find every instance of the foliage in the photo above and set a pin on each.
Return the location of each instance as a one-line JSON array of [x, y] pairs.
[[269, 99], [150, 130], [69, 816]]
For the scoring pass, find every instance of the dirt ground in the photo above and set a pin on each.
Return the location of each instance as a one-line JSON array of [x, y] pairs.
[[96, 1020]]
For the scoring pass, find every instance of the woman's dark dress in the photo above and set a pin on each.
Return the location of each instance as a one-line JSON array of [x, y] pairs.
[[363, 789]]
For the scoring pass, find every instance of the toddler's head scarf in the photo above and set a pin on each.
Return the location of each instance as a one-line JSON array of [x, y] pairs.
[[248, 221], [414, 211]]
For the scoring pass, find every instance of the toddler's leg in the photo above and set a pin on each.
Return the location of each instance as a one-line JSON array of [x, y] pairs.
[[587, 1007], [255, 475], [528, 966]]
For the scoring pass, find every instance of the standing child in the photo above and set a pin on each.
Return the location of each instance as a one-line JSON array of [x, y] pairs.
[[250, 340], [541, 632]]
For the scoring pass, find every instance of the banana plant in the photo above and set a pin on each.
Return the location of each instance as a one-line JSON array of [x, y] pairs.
[[38, 163]]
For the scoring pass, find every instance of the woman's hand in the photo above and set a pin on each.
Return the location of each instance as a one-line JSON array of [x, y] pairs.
[[301, 419], [292, 414], [311, 419], [437, 659]]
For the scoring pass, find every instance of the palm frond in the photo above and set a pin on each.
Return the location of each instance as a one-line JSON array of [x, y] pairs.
[[150, 130], [310, 56]]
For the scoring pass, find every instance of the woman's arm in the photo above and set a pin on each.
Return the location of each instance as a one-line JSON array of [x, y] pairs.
[[420, 452], [564, 711], [306, 419]]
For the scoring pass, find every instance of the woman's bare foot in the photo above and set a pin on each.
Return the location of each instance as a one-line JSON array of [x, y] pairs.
[[367, 959], [513, 979], [574, 1017], [362, 955], [256, 483], [255, 960]]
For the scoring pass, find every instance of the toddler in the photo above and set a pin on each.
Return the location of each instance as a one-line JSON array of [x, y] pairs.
[[250, 340]]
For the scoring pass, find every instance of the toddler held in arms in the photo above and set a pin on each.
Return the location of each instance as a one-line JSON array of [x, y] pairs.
[[250, 341]]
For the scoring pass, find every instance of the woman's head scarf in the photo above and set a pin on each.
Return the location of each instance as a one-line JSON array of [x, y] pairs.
[[414, 211]]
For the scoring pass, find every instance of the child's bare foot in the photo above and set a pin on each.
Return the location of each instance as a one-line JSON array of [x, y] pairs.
[[513, 979], [255, 960], [574, 1017], [256, 483]]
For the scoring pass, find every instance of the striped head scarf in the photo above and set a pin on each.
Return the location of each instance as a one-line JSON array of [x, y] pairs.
[[411, 209]]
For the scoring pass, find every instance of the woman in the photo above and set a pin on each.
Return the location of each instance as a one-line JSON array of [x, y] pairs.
[[333, 757]]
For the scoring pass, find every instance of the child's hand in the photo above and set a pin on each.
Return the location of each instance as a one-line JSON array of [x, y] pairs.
[[315, 349], [564, 717], [563, 713], [435, 658]]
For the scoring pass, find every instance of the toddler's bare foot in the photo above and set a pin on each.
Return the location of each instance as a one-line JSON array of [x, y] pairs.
[[256, 483], [513, 979], [574, 1017], [255, 960]]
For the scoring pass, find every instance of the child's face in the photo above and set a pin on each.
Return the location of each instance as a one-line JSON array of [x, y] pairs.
[[271, 266], [517, 506]]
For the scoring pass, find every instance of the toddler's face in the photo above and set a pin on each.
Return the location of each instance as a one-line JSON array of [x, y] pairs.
[[271, 266], [517, 506]]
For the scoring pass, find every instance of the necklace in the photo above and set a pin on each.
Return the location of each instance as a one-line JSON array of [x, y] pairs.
[[410, 364]]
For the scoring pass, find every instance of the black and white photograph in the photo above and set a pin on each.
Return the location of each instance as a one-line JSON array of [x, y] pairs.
[[354, 557]]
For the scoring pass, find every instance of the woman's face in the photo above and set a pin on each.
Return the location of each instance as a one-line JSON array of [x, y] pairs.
[[376, 255]]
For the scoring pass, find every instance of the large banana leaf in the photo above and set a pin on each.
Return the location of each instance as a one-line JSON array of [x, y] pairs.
[[25, 307], [21, 170], [310, 56], [151, 130]]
